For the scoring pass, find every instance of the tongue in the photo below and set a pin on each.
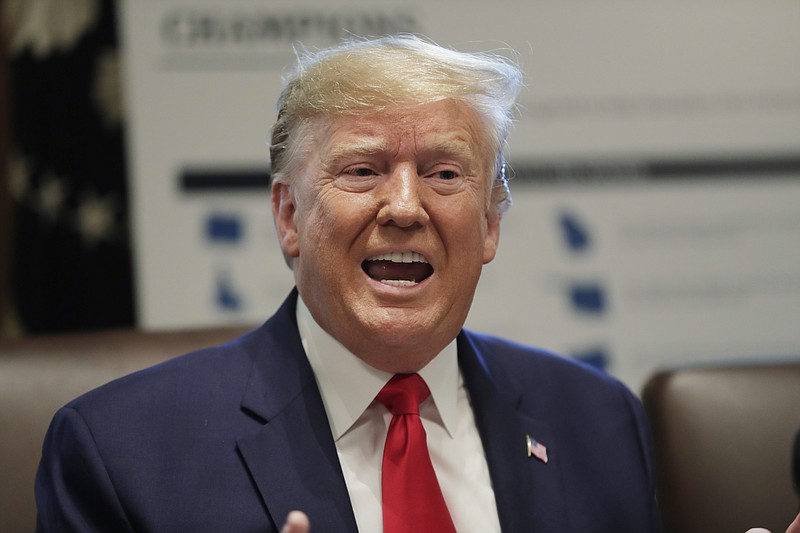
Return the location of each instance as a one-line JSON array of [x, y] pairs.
[[379, 270]]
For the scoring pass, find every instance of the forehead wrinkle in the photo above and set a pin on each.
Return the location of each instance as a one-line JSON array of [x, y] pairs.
[[423, 137], [358, 146]]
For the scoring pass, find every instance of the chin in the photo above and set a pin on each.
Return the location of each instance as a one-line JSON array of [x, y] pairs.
[[403, 328]]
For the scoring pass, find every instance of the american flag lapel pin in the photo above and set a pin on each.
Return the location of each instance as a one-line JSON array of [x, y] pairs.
[[536, 449]]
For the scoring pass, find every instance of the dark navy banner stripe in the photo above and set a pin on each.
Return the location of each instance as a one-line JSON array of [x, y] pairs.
[[725, 167], [214, 180], [551, 172], [634, 169]]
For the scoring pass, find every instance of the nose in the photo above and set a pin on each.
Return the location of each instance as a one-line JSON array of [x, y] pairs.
[[401, 202]]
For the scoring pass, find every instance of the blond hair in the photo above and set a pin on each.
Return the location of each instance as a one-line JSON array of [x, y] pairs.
[[362, 76]]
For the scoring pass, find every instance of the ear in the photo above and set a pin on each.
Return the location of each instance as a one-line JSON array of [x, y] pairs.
[[283, 210], [492, 238]]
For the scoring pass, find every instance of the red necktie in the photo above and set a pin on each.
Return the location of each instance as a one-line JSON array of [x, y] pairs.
[[412, 499]]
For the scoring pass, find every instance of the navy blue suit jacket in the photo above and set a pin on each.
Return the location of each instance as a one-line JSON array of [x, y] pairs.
[[232, 438]]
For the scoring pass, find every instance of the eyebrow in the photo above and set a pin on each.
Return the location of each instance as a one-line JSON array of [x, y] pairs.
[[362, 146], [455, 147], [458, 148]]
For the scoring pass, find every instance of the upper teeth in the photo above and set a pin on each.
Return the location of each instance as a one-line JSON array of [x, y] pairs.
[[399, 257]]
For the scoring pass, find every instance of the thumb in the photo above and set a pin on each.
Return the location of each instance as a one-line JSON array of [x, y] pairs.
[[296, 522], [794, 527]]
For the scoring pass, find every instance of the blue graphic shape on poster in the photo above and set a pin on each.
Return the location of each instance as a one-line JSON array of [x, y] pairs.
[[227, 297], [224, 228], [596, 356], [574, 232], [588, 298]]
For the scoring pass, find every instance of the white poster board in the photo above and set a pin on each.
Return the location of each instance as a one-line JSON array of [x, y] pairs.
[[656, 215]]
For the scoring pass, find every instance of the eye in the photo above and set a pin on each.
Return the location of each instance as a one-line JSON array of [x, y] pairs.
[[447, 174], [446, 178], [444, 173], [360, 172], [357, 178]]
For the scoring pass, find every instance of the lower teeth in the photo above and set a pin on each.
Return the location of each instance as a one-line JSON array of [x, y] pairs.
[[398, 282]]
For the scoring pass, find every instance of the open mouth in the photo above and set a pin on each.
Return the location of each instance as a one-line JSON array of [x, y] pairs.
[[399, 269]]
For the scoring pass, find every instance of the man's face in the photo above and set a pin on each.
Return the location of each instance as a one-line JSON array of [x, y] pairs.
[[388, 224]]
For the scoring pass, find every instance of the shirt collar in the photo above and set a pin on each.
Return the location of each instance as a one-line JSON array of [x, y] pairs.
[[348, 385]]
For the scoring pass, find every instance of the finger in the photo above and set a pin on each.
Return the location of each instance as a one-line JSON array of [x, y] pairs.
[[794, 527], [296, 522]]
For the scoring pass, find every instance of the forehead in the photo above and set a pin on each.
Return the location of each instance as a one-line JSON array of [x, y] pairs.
[[446, 126]]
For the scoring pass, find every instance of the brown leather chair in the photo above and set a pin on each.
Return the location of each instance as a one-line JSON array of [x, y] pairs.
[[40, 374], [723, 442]]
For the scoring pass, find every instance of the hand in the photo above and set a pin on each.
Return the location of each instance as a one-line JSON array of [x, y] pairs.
[[794, 527], [296, 522]]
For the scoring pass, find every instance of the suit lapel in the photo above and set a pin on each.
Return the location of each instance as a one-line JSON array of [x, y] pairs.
[[528, 492], [292, 457]]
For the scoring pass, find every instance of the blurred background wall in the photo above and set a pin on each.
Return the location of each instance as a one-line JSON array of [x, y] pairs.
[[655, 168]]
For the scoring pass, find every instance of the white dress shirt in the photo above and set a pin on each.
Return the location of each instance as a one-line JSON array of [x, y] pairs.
[[359, 425]]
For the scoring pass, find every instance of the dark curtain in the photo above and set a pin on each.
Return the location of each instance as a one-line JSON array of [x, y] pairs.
[[71, 259]]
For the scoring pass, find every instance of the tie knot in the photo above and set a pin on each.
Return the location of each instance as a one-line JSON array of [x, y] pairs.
[[403, 394]]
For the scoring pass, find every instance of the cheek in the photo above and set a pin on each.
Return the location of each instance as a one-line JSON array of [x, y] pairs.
[[468, 217], [316, 230], [330, 220]]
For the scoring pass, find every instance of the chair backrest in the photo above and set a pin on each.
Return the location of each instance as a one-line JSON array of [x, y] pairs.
[[796, 460], [40, 374], [723, 443]]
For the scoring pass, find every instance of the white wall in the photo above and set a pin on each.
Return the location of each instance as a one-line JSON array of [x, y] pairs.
[[667, 134]]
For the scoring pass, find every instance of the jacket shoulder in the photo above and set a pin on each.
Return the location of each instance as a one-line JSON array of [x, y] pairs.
[[534, 364]]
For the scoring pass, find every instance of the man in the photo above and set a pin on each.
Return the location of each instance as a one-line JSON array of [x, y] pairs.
[[388, 191]]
